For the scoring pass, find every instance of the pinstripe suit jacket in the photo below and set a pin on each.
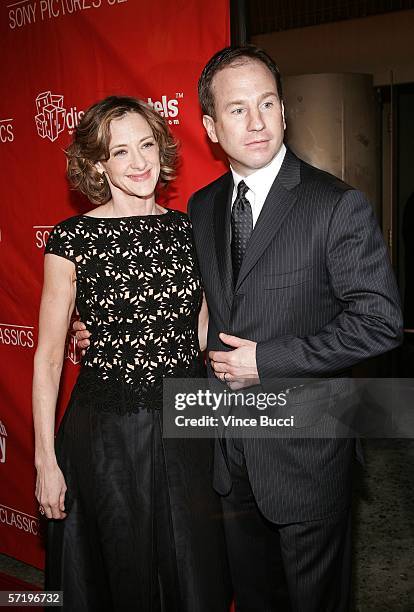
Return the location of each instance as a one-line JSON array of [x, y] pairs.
[[316, 291]]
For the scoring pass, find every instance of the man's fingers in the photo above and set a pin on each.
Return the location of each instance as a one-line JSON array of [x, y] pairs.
[[220, 356], [238, 384], [225, 377], [83, 335], [233, 341], [83, 344], [78, 326], [221, 367]]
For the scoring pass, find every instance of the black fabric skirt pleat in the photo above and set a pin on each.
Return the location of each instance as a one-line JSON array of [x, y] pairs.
[[144, 526]]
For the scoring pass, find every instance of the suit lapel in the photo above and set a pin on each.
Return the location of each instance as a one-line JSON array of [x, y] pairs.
[[277, 205], [222, 212]]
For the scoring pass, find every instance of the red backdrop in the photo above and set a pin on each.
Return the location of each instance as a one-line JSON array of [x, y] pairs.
[[60, 56]]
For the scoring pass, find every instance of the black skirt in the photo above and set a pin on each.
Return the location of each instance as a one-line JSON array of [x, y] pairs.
[[144, 525]]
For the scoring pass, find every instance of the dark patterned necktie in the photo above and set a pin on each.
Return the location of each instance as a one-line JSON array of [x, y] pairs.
[[241, 227]]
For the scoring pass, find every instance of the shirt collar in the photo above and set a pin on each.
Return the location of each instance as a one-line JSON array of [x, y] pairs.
[[261, 180]]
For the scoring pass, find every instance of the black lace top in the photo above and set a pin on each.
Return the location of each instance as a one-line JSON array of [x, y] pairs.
[[138, 292]]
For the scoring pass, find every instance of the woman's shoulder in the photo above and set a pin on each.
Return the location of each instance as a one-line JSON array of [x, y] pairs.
[[68, 224], [180, 216], [63, 239]]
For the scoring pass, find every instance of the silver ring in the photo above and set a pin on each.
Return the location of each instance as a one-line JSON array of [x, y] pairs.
[[41, 510]]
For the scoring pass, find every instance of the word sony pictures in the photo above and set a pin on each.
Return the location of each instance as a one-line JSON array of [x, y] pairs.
[[28, 12]]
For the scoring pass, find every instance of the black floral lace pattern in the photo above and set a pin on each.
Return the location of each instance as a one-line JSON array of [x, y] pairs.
[[138, 292]]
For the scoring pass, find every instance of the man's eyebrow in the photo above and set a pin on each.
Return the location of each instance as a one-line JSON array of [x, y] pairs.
[[235, 103], [267, 94], [264, 95]]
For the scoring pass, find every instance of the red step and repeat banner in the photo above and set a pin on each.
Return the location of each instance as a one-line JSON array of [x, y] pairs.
[[58, 57]]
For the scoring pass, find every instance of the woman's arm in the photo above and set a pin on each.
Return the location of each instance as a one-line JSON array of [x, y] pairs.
[[203, 325], [58, 301]]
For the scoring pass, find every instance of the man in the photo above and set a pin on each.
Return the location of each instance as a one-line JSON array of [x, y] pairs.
[[298, 284]]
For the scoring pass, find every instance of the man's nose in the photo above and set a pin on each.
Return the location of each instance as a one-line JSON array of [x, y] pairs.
[[256, 122]]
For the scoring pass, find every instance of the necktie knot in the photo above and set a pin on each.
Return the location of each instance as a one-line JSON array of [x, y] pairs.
[[242, 189]]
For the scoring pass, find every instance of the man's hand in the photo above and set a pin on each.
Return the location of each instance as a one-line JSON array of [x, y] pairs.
[[237, 367], [82, 335]]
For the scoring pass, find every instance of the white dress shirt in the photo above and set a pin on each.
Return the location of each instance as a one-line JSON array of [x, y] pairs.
[[259, 183]]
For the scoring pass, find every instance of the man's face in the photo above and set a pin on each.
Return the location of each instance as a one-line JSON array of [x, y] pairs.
[[250, 122]]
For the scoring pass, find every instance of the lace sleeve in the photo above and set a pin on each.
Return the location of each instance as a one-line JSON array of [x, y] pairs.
[[60, 242]]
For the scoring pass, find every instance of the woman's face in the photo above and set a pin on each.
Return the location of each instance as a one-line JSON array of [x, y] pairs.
[[133, 166]]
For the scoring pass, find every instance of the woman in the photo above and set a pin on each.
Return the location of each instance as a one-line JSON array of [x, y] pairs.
[[136, 522]]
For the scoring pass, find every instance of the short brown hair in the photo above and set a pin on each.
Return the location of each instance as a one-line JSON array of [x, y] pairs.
[[227, 57], [91, 144]]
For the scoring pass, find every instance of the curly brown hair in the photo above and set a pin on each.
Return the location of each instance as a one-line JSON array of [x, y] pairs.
[[91, 144]]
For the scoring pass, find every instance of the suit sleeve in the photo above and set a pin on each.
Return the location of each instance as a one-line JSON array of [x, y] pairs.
[[189, 206], [363, 282]]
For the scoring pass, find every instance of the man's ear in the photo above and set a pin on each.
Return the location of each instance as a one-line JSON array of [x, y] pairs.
[[210, 128], [283, 115]]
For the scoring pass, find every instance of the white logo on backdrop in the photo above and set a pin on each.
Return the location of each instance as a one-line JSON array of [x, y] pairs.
[[19, 520], [6, 130], [27, 12], [3, 436], [168, 107], [41, 235], [73, 352], [50, 118], [17, 335]]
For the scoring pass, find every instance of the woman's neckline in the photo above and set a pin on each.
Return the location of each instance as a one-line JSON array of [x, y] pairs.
[[157, 216]]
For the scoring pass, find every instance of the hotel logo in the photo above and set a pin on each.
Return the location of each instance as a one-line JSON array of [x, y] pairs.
[[52, 117]]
